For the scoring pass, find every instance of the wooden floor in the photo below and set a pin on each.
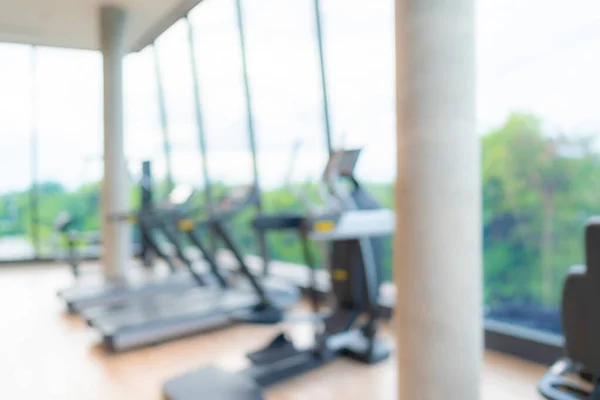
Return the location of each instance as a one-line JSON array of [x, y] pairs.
[[47, 355]]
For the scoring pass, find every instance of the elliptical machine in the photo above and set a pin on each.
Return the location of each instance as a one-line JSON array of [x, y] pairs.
[[577, 375], [350, 329]]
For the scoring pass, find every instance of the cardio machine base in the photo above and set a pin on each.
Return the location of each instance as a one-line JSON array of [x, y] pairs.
[[566, 380], [261, 314], [81, 297], [211, 383], [358, 350], [278, 361], [168, 320]]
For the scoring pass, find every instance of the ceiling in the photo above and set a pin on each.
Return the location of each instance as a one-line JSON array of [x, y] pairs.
[[74, 23]]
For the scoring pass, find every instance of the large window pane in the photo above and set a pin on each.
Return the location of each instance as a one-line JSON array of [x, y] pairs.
[[359, 44], [286, 88], [15, 153], [223, 105], [176, 76], [69, 130], [284, 76], [359, 55], [537, 97], [143, 135], [222, 92]]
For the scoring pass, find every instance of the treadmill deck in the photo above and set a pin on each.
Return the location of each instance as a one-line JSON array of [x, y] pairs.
[[159, 319]]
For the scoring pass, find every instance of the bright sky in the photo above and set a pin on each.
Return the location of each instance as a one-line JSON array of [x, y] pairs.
[[539, 56]]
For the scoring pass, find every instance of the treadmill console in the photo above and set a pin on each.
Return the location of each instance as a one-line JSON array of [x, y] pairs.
[[341, 163], [347, 163]]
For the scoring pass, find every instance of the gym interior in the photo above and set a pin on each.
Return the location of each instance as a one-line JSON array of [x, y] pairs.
[[312, 199]]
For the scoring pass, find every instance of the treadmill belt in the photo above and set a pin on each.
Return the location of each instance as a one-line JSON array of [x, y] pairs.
[[158, 302], [83, 297], [153, 316], [163, 318]]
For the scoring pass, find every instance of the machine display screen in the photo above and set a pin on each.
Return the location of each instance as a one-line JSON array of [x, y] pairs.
[[348, 162], [342, 163], [332, 164]]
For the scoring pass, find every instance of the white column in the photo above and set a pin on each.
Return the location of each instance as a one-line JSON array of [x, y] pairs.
[[116, 236], [438, 246]]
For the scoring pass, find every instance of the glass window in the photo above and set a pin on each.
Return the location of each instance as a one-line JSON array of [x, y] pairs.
[[217, 49], [15, 153], [222, 92], [69, 126], [284, 76], [537, 96], [359, 60], [143, 134], [359, 46], [285, 83], [176, 76]]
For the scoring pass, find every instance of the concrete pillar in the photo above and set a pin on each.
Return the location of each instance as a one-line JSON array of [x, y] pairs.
[[116, 235], [438, 245]]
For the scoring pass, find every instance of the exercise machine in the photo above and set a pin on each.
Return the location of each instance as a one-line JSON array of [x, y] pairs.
[[147, 219], [63, 225], [350, 328], [164, 221], [576, 376], [229, 299]]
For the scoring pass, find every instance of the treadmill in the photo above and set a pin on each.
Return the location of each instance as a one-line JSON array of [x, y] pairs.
[[172, 225], [149, 219], [226, 301]]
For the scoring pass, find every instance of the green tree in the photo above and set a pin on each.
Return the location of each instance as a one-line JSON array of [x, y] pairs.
[[534, 186]]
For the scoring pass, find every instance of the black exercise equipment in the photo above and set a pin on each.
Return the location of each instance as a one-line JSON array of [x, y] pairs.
[[63, 224], [227, 299], [148, 219], [350, 329], [577, 375]]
